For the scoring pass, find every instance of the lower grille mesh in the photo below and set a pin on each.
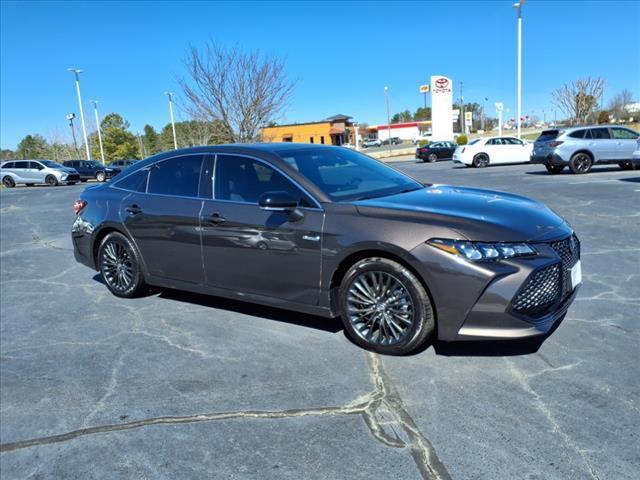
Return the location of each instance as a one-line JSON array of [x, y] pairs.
[[541, 289]]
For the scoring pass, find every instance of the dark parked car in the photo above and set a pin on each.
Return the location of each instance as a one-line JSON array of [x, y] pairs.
[[393, 140], [431, 152], [122, 164], [332, 232], [90, 169]]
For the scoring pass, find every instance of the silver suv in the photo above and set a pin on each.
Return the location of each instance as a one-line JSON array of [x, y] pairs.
[[580, 148], [31, 172]]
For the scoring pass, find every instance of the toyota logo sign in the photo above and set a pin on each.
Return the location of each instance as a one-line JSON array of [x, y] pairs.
[[442, 83]]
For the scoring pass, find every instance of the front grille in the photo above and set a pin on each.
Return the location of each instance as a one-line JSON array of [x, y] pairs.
[[569, 251], [541, 290], [72, 177]]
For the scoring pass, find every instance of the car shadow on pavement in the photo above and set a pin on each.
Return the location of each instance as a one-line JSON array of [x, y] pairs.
[[632, 179]]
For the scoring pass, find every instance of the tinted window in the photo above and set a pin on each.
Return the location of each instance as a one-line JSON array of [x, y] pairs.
[[136, 182], [624, 134], [577, 134], [177, 176], [22, 165], [36, 165], [242, 179], [347, 175], [9, 165], [548, 135], [599, 133]]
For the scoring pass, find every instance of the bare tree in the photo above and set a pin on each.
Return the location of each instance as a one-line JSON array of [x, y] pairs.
[[579, 99], [619, 102], [243, 91]]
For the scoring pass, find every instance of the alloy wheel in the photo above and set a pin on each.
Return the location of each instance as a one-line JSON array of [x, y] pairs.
[[581, 163], [117, 266], [433, 157], [380, 308], [8, 182], [481, 161]]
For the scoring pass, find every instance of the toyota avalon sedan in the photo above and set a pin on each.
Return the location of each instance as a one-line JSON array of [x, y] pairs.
[[332, 232]]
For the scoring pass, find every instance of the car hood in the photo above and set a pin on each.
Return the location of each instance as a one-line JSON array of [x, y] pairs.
[[476, 214], [66, 170]]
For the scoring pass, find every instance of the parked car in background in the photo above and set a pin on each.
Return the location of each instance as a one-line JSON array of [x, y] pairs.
[[423, 136], [431, 152], [635, 159], [372, 142], [392, 140], [122, 164], [579, 148], [483, 152], [398, 261], [32, 172], [90, 169]]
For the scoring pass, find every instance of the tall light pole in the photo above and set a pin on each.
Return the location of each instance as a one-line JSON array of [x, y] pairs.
[[386, 94], [77, 72], [173, 125], [70, 117], [95, 110], [462, 121], [518, 6]]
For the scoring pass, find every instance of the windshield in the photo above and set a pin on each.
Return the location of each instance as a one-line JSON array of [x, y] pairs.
[[94, 163], [473, 142], [345, 175], [50, 164], [548, 135]]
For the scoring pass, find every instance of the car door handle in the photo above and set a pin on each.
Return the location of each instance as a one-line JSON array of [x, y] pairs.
[[133, 210], [216, 219]]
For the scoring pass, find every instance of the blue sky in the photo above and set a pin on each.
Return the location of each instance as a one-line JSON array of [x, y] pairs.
[[341, 54]]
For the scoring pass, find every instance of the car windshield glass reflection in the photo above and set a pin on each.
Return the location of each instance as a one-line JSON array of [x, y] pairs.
[[347, 175], [50, 164]]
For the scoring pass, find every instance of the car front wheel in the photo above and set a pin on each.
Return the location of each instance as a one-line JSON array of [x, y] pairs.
[[120, 266], [101, 177], [580, 163], [385, 308], [51, 180]]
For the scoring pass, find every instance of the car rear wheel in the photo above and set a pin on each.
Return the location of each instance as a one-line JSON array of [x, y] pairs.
[[580, 163], [101, 177], [481, 160], [432, 157], [51, 180], [71, 183], [554, 169], [120, 266], [8, 182], [384, 307]]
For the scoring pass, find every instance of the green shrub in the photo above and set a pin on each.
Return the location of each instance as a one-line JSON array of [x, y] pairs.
[[462, 140], [422, 143]]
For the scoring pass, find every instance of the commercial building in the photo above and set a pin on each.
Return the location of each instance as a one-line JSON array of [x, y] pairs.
[[335, 130], [404, 131]]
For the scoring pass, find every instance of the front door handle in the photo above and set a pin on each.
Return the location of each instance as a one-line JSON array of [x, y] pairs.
[[133, 210], [216, 219]]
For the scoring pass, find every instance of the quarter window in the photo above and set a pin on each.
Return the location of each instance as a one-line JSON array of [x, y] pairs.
[[241, 179], [623, 134], [577, 134], [136, 182], [600, 133], [179, 176]]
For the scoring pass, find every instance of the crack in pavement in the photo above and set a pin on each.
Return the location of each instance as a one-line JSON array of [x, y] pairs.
[[380, 410]]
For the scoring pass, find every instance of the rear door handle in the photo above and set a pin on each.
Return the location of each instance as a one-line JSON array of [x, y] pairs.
[[216, 219], [133, 210]]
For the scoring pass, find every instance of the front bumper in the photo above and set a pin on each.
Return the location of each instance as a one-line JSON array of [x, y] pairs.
[[483, 301]]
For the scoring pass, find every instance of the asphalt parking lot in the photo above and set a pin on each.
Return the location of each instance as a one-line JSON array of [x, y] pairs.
[[185, 386]]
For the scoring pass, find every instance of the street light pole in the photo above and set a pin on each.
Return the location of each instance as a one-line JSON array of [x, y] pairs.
[[70, 117], [95, 110], [462, 122], [77, 72], [173, 125], [518, 5], [386, 94]]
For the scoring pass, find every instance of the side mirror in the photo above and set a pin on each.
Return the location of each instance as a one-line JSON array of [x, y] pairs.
[[277, 201]]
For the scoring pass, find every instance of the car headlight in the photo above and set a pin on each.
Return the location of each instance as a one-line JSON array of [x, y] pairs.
[[482, 251], [63, 176]]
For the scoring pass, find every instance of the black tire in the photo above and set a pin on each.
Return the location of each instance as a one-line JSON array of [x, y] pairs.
[[580, 163], [120, 266], [29, 184], [84, 180], [629, 166], [71, 183], [101, 176], [8, 182], [51, 180], [412, 315], [432, 157], [481, 160], [554, 169]]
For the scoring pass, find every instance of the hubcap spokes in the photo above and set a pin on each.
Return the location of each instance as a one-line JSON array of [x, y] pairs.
[[380, 308], [117, 266]]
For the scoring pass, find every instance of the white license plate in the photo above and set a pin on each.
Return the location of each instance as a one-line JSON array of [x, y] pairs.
[[576, 275]]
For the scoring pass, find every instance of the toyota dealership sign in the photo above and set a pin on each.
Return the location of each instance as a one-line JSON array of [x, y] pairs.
[[441, 107]]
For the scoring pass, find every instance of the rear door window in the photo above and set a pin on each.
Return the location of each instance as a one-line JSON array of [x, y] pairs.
[[22, 165], [179, 176], [599, 133]]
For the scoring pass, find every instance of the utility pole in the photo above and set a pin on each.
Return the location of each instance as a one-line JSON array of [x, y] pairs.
[[386, 94], [173, 125], [462, 129], [95, 110], [70, 117], [518, 5], [355, 138], [77, 72]]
